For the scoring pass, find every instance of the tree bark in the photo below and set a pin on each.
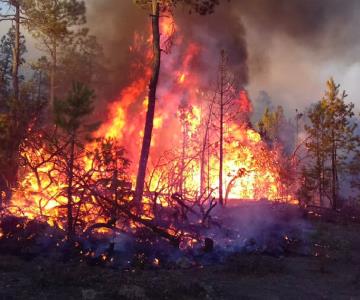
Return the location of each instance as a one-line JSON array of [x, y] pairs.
[[145, 150], [334, 173], [205, 144], [70, 219], [16, 51], [221, 126], [53, 73], [183, 153]]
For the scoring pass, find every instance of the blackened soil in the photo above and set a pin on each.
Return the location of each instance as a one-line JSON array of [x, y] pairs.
[[331, 271]]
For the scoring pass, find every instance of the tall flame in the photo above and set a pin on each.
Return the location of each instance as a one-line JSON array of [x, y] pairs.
[[251, 169]]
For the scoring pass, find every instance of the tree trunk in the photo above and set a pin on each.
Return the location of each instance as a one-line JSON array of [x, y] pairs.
[[205, 145], [16, 52], [334, 175], [221, 126], [39, 85], [53, 73], [70, 175], [202, 165], [183, 163], [145, 150], [221, 157]]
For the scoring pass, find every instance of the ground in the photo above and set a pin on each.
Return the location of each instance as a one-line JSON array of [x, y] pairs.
[[332, 273]]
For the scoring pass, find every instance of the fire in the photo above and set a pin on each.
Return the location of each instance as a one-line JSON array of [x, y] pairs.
[[251, 169], [182, 78]]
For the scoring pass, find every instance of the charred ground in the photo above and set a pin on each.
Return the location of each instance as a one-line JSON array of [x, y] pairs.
[[332, 273], [328, 268]]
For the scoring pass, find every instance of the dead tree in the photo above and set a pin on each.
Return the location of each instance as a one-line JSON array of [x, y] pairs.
[[205, 146], [202, 7], [145, 149], [225, 101]]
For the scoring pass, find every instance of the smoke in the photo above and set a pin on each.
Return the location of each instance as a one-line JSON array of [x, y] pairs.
[[260, 226], [305, 20], [295, 46], [247, 228], [115, 23], [288, 48]]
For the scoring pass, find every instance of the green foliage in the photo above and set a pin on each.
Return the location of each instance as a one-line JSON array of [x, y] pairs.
[[70, 112], [82, 60], [40, 78], [14, 129], [71, 53], [7, 44], [52, 21], [276, 129], [331, 138], [271, 122]]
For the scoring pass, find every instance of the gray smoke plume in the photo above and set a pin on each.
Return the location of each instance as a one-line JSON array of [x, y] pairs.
[[115, 22], [256, 33]]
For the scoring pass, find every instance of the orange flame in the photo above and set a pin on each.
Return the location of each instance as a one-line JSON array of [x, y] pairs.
[[251, 170]]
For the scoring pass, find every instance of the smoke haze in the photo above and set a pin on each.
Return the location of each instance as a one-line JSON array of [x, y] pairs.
[[286, 48]]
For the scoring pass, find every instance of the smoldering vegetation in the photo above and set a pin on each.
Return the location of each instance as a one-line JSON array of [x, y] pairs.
[[261, 228]]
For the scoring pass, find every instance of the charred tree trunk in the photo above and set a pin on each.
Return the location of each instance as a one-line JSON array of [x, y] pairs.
[[53, 73], [221, 126], [16, 51], [39, 85], [183, 163], [334, 174], [70, 175], [205, 145], [221, 157], [322, 182], [320, 171], [202, 166], [145, 150]]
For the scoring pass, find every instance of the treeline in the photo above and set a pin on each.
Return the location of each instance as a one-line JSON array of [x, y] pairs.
[[29, 89], [324, 148]]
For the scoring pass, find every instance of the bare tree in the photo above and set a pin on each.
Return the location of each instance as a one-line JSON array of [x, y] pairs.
[[226, 111], [145, 149]]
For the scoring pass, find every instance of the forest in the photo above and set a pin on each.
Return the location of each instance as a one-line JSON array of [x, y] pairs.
[[160, 177]]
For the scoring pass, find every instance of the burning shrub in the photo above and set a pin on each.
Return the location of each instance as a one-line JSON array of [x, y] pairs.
[[77, 177]]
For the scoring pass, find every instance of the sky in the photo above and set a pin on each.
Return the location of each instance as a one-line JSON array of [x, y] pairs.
[[295, 76], [289, 66]]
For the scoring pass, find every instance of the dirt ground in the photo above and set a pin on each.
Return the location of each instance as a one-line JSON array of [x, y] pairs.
[[332, 273]]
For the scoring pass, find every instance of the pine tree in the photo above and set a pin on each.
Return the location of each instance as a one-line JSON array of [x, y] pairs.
[[69, 115], [10, 63], [15, 112], [331, 137], [15, 16], [54, 23], [276, 129], [227, 110], [81, 60]]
